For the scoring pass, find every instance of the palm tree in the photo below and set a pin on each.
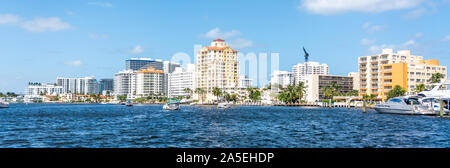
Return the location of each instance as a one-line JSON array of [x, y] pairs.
[[420, 88], [188, 91], [300, 91], [328, 92], [436, 78], [201, 92], [217, 92]]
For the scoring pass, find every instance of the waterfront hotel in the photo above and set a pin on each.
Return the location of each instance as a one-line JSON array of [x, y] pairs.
[[216, 66], [380, 73]]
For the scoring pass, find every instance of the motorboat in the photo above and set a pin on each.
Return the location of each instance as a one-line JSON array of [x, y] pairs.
[[404, 105], [129, 103], [441, 90], [172, 105], [224, 105], [434, 103], [4, 104]]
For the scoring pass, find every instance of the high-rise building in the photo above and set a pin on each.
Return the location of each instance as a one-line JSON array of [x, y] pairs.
[[281, 78], [137, 64], [316, 83], [149, 82], [356, 79], [106, 85], [125, 83], [216, 66], [86, 85], [69, 84], [244, 82], [314, 68], [180, 79], [381, 73]]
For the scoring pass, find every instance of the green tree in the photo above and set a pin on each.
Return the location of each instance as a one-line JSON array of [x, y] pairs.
[[188, 91], [254, 94], [420, 88], [436, 78], [122, 98], [217, 92], [396, 92], [201, 92]]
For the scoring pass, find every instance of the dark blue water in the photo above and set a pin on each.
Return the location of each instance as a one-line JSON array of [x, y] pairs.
[[69, 125]]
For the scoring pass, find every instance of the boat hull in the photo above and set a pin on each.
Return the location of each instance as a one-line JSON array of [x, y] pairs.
[[171, 107], [3, 105], [400, 111]]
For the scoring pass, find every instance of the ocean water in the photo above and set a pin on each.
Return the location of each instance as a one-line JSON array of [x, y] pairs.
[[148, 126]]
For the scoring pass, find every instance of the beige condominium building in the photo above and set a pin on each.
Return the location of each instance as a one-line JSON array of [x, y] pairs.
[[381, 73], [149, 82], [216, 66]]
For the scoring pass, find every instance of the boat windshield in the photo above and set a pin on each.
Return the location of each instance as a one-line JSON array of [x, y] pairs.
[[410, 101], [395, 100]]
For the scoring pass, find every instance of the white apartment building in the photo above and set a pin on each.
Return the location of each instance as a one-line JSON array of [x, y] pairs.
[[244, 82], [125, 83], [36, 89], [283, 78], [86, 85], [314, 68], [216, 66], [356, 80], [181, 79]]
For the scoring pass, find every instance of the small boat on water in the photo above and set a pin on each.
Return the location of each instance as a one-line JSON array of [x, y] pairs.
[[129, 103], [4, 104], [224, 105], [172, 105], [404, 105]]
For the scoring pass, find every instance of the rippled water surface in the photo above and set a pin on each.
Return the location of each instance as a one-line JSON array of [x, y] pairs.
[[147, 126]]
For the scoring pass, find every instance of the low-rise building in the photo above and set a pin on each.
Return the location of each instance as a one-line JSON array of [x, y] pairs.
[[316, 83], [37, 89]]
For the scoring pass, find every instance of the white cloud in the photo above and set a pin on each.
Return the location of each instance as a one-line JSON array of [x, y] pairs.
[[137, 50], [371, 29], [76, 63], [328, 7], [418, 35], [415, 13], [410, 44], [45, 24], [366, 42], [446, 38], [98, 36], [217, 33], [37, 25], [101, 4], [9, 19], [241, 43]]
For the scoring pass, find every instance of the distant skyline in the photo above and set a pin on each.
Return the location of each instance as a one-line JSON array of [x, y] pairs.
[[41, 40]]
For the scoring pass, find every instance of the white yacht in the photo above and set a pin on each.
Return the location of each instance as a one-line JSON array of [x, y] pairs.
[[172, 105], [4, 104], [224, 105], [404, 105], [441, 90]]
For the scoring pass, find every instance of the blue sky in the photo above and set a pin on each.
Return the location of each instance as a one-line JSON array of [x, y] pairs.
[[40, 40]]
